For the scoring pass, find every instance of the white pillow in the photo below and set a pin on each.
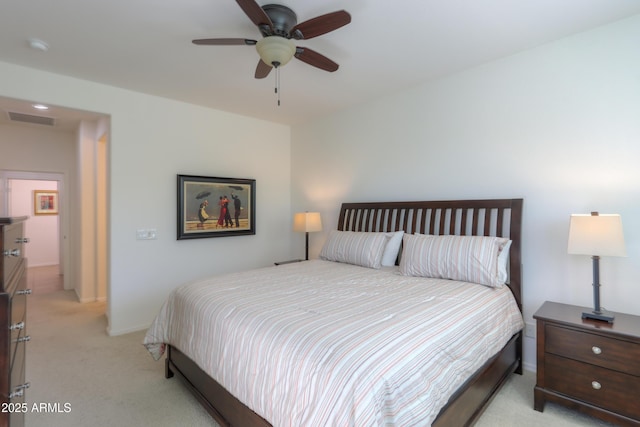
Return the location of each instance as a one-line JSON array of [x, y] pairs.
[[465, 258], [392, 248], [503, 263], [351, 247]]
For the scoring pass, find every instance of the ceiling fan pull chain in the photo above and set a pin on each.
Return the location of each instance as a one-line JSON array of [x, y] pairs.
[[278, 84]]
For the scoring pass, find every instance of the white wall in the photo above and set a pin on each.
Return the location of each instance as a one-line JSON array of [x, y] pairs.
[[152, 140], [558, 125], [27, 148]]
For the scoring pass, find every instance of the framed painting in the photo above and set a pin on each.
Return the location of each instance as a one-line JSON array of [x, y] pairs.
[[45, 202], [215, 207]]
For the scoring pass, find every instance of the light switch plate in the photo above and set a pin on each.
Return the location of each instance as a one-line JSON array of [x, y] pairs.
[[146, 234]]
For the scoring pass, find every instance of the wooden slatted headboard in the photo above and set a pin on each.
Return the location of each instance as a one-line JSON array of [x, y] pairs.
[[496, 217]]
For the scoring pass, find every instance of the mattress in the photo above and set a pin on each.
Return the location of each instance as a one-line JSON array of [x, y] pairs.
[[323, 343]]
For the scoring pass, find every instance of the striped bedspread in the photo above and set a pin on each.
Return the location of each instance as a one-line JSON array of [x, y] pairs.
[[320, 343]]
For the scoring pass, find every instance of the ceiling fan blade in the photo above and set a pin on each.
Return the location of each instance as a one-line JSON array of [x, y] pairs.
[[255, 13], [320, 25], [224, 42], [312, 57], [262, 70]]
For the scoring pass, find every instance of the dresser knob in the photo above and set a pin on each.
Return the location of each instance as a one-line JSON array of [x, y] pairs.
[[19, 390], [22, 240], [17, 393], [596, 350], [12, 252], [596, 385], [16, 326], [24, 292], [24, 339]]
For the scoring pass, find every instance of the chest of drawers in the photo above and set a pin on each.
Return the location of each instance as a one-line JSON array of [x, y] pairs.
[[13, 317], [588, 365]]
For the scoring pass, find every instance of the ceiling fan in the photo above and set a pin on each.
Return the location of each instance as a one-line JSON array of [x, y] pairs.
[[278, 25]]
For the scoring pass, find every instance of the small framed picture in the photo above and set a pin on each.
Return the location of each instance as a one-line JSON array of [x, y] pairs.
[[215, 207], [45, 202]]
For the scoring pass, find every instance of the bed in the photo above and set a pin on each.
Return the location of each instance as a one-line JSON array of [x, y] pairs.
[[337, 342]]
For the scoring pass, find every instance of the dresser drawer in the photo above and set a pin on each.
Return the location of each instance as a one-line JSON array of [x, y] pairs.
[[19, 336], [611, 353], [19, 297], [13, 250], [18, 282], [598, 386], [17, 377]]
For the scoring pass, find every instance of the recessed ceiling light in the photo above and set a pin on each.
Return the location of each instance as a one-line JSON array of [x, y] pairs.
[[38, 45], [40, 107]]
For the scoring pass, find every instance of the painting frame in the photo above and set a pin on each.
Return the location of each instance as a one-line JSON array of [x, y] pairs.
[[215, 207], [45, 202]]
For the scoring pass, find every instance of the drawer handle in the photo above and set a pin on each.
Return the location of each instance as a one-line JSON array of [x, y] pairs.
[[596, 350], [26, 338], [16, 326], [17, 393], [12, 252], [596, 385], [22, 240], [19, 390], [24, 292]]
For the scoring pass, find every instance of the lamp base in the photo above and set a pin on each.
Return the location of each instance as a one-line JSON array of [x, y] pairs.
[[601, 316]]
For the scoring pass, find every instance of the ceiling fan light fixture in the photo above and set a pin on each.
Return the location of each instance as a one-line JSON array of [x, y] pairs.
[[275, 50]]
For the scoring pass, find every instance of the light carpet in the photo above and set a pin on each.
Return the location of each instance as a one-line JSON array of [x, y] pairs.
[[89, 379]]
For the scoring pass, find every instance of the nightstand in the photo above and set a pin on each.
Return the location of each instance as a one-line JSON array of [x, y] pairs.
[[588, 365]]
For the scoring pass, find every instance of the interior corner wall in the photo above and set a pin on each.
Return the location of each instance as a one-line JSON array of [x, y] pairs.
[[103, 132], [151, 140], [85, 241], [556, 125], [102, 217]]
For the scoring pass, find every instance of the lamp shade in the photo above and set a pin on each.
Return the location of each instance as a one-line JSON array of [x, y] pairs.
[[599, 235], [307, 222], [275, 50]]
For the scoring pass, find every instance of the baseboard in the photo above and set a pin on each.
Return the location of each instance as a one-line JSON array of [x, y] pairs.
[[115, 332], [83, 300], [88, 299], [46, 264]]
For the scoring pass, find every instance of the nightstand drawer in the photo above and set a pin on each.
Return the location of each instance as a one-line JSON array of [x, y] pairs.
[[622, 356], [598, 386]]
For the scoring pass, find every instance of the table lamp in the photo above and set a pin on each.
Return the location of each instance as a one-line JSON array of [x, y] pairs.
[[308, 222], [596, 235]]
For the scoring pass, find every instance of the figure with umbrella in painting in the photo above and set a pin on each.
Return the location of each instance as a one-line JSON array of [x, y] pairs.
[[202, 211], [227, 215], [224, 208], [237, 205]]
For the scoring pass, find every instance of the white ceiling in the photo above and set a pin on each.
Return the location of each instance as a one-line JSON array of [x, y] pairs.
[[145, 46]]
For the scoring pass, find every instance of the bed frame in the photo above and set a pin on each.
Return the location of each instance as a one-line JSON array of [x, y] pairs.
[[498, 217]]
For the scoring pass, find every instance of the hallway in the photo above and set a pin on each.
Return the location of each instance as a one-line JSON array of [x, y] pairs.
[[45, 279]]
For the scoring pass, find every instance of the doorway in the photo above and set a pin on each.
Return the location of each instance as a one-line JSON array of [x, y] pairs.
[[45, 250], [74, 154]]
